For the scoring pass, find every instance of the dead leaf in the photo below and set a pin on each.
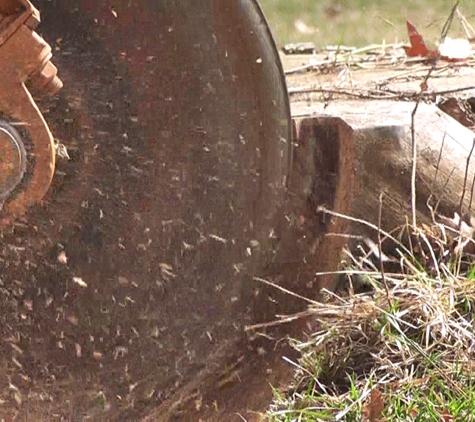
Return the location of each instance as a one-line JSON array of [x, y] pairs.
[[374, 407], [445, 416], [414, 412], [418, 46], [451, 50]]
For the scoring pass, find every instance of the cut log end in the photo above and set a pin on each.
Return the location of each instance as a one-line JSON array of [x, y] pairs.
[[322, 177]]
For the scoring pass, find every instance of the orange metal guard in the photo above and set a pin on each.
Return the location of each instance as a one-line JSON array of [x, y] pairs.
[[25, 55]]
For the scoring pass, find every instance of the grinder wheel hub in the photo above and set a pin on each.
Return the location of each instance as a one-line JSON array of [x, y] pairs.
[[12, 159]]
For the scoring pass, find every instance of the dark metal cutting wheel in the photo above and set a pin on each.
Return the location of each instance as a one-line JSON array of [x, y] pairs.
[[134, 278]]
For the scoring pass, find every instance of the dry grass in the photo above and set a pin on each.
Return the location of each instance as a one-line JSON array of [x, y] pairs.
[[402, 350]]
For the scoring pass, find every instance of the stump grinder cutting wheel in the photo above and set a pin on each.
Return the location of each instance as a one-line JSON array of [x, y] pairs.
[[138, 203]]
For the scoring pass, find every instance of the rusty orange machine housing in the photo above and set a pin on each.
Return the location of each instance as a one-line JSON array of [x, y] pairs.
[[24, 55]]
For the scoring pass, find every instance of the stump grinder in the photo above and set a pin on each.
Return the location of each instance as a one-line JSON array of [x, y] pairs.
[[143, 187]]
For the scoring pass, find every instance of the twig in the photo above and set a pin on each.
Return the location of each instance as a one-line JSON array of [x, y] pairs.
[[386, 20], [444, 92], [470, 32], [339, 48], [367, 94], [380, 250], [282, 289], [439, 159], [378, 94], [373, 61], [366, 223], [344, 57], [471, 194], [462, 197], [472, 187], [275, 323], [445, 30], [449, 21], [414, 156], [443, 189]]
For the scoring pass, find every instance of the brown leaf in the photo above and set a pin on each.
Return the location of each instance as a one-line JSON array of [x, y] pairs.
[[373, 409], [414, 412], [418, 46], [445, 416]]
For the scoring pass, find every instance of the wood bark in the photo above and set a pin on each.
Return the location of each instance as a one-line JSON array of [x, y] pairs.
[[382, 141], [382, 163]]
